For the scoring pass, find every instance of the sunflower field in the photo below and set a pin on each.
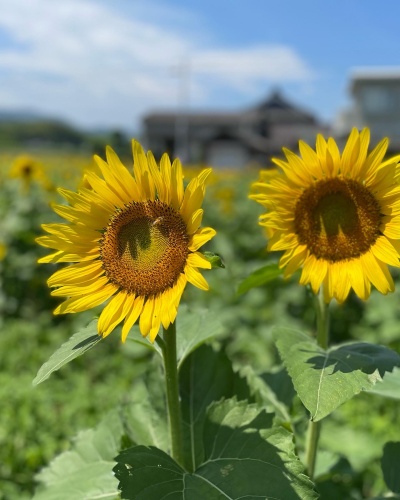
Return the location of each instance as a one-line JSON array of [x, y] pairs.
[[184, 332]]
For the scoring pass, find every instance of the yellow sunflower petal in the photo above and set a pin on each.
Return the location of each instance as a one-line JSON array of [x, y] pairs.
[[195, 278], [155, 320], [197, 259], [373, 161], [136, 308], [201, 237], [195, 221], [158, 180], [172, 299], [143, 178], [165, 168], [113, 183], [377, 273], [385, 252], [356, 277], [294, 264], [351, 152], [311, 159], [314, 272], [78, 304], [81, 289], [146, 317], [177, 191], [111, 315], [192, 201], [123, 178], [334, 155], [76, 273]]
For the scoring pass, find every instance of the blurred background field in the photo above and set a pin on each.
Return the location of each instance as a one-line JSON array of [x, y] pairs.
[[38, 423]]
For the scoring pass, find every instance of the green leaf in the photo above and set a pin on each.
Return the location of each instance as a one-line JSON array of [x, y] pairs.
[[86, 470], [390, 466], [146, 473], [214, 259], [260, 277], [79, 343], [390, 385], [194, 327], [246, 457], [264, 394], [145, 416], [206, 376], [325, 379], [278, 380]]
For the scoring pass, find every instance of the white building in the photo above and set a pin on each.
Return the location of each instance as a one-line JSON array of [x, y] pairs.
[[376, 104]]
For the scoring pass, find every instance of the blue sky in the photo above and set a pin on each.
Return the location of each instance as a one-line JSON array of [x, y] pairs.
[[106, 63]]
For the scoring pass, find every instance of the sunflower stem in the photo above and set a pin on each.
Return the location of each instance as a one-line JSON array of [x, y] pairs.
[[314, 428], [168, 347]]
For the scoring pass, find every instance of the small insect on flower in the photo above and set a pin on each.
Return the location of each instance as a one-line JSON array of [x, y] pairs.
[[132, 240], [336, 216]]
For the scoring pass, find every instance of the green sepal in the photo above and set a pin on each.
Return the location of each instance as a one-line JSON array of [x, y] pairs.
[[214, 259]]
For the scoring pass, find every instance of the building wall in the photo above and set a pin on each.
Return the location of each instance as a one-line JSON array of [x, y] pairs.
[[377, 105]]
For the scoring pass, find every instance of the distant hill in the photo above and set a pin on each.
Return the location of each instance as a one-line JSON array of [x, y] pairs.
[[25, 130], [20, 116]]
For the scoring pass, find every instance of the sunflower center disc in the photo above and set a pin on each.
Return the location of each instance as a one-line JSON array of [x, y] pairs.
[[337, 219], [145, 247], [27, 171]]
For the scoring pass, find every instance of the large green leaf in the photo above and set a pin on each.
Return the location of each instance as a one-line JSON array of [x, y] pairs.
[[206, 376], [259, 277], [194, 327], [263, 391], [245, 457], [86, 470], [145, 415], [79, 343], [324, 379], [390, 466]]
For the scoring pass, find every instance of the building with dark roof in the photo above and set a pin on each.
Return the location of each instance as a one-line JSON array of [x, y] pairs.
[[231, 139]]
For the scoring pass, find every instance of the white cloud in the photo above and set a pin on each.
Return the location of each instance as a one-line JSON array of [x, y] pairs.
[[97, 65]]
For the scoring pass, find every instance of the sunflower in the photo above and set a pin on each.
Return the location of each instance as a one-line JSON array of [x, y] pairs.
[[132, 240], [335, 216], [29, 170]]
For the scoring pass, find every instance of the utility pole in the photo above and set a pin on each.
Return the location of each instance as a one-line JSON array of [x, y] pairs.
[[181, 133]]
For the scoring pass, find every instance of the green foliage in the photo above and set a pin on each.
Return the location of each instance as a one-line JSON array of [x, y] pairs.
[[390, 385], [325, 379], [206, 376], [196, 326], [245, 456], [260, 277], [145, 413], [84, 471], [390, 466], [227, 350], [78, 344]]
